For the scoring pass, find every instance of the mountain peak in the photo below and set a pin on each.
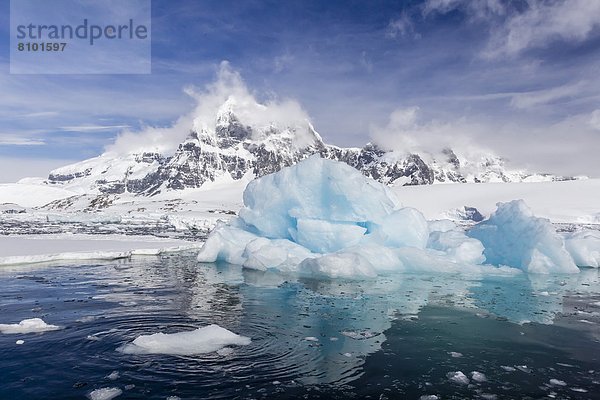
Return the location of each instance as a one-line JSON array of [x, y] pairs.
[[245, 136]]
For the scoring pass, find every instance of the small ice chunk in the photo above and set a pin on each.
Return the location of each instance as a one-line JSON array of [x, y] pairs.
[[458, 377], [557, 382], [478, 376], [105, 394], [113, 376], [347, 355], [513, 236], [200, 341], [32, 325], [508, 368], [429, 397], [579, 390], [225, 351], [20, 341], [565, 365], [359, 335], [173, 398], [311, 339], [455, 354], [523, 368]]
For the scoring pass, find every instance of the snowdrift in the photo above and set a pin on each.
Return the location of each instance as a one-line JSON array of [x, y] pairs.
[[324, 218]]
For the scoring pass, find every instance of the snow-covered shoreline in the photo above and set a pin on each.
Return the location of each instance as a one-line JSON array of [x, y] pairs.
[[33, 249]]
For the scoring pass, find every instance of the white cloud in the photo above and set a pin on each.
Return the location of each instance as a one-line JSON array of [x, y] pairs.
[[280, 63], [14, 139], [228, 87], [407, 132], [366, 62], [595, 119], [531, 99], [400, 27], [41, 114], [563, 147], [92, 128], [544, 22], [477, 10], [539, 24]]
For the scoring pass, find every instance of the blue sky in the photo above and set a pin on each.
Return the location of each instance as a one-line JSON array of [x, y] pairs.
[[519, 77]]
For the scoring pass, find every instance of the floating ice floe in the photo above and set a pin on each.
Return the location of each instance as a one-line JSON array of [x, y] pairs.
[[32, 325], [105, 394], [69, 256], [208, 339], [458, 377], [478, 376], [92, 255], [324, 218]]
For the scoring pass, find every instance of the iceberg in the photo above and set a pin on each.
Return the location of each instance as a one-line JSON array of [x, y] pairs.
[[319, 218], [514, 236], [314, 189], [323, 218]]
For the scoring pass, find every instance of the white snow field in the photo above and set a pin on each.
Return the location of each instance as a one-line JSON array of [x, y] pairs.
[[576, 202], [344, 225], [31, 195], [208, 339]]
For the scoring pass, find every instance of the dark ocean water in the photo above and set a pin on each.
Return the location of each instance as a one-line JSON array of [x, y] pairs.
[[400, 336]]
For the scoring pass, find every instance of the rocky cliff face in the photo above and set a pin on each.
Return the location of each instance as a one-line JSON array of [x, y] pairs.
[[234, 149]]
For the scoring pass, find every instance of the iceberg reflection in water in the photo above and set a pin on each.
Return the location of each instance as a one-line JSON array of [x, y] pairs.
[[398, 335]]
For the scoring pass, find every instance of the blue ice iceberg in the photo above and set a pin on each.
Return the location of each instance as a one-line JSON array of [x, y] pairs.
[[514, 236], [320, 204], [324, 218]]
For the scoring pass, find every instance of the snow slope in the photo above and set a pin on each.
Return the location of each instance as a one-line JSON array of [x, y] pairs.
[[30, 195]]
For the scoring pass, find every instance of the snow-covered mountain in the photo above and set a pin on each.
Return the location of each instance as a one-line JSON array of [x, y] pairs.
[[234, 145]]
